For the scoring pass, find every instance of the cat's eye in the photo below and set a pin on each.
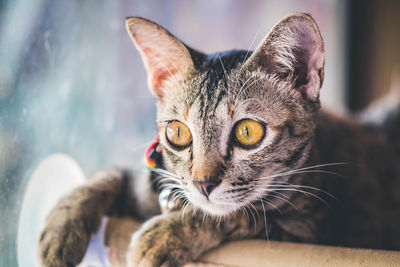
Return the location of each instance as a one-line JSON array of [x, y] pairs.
[[178, 134], [248, 133]]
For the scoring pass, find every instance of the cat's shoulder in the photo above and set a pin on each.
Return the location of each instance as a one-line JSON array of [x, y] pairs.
[[347, 132], [343, 131]]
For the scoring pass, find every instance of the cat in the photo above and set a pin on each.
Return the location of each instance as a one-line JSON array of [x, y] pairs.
[[245, 152]]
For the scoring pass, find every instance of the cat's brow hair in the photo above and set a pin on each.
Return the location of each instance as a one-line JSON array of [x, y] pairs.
[[213, 84]]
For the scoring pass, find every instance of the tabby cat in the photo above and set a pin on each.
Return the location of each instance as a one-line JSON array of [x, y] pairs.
[[246, 152]]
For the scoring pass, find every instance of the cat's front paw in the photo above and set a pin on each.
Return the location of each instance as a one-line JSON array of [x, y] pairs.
[[64, 240], [160, 242]]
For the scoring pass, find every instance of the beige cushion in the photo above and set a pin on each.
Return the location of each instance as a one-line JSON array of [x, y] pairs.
[[258, 252]]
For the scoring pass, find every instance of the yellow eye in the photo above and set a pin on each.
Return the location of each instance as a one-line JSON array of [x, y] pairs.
[[249, 133], [178, 134]]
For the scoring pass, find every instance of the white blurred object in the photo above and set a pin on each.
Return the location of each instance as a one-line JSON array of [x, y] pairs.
[[378, 111], [56, 176]]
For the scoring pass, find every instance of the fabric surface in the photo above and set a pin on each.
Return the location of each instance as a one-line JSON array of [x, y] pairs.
[[259, 252]]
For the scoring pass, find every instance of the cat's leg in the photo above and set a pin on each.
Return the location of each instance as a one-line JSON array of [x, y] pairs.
[[172, 239], [114, 192]]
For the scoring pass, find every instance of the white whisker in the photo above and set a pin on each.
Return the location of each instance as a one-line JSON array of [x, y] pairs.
[[247, 87], [173, 64], [296, 190], [269, 202], [251, 206], [305, 170], [313, 188], [165, 172], [251, 44], [265, 220], [243, 89], [244, 207], [283, 199], [225, 73], [186, 204]]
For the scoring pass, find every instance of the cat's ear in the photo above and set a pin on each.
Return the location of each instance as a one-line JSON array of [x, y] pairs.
[[166, 58], [293, 50]]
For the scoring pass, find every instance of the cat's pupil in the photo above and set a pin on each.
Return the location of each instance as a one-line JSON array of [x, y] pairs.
[[178, 132], [246, 130]]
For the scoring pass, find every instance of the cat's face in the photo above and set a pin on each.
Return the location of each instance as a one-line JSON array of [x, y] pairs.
[[230, 122]]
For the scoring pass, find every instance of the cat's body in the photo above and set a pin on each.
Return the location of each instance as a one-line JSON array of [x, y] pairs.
[[243, 140], [368, 188]]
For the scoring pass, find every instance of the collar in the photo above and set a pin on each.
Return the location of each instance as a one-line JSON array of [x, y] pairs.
[[153, 159]]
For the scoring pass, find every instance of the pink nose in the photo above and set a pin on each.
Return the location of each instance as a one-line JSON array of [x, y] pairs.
[[206, 187]]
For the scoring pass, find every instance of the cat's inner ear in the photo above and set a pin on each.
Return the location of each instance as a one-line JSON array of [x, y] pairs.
[[294, 50], [167, 60]]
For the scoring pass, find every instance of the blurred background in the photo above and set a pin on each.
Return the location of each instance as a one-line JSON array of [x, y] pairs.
[[72, 82]]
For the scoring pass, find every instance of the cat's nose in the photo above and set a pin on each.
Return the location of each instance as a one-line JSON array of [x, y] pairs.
[[207, 186]]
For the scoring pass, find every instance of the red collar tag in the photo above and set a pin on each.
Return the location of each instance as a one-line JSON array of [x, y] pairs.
[[153, 154]]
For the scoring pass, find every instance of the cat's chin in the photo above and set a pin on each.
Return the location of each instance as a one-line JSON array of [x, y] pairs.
[[216, 209]]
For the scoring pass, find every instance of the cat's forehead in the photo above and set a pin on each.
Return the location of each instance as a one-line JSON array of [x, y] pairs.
[[221, 91]]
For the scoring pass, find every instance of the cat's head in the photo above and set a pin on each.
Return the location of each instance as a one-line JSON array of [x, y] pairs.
[[230, 122]]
